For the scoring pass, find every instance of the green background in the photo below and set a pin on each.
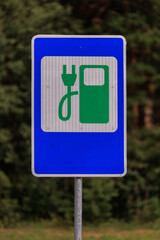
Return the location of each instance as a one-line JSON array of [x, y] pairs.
[[134, 197]]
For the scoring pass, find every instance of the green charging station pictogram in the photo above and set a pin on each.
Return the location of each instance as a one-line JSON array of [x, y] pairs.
[[68, 80], [93, 99]]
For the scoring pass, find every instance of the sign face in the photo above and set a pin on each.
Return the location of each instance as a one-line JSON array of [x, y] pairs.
[[78, 106]]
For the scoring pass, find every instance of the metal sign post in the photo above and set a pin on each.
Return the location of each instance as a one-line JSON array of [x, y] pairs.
[[78, 209]]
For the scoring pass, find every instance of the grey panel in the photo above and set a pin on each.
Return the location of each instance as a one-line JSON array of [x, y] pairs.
[[53, 89]]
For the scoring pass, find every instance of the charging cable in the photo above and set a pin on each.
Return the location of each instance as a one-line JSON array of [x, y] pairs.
[[68, 80]]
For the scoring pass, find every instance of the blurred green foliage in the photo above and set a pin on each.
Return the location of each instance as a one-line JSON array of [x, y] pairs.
[[134, 197]]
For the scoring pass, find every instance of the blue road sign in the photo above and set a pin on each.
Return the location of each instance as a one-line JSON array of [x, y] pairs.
[[78, 106]]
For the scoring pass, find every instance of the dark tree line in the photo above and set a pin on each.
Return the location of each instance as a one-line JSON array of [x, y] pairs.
[[136, 196]]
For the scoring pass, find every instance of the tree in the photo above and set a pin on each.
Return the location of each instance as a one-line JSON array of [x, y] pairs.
[[136, 195]]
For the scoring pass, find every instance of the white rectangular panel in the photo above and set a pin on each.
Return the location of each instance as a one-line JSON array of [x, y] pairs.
[[53, 89]]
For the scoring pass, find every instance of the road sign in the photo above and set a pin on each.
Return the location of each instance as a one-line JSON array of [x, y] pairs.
[[78, 106]]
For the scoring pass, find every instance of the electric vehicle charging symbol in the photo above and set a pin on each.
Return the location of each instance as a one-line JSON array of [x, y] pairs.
[[93, 99], [68, 80]]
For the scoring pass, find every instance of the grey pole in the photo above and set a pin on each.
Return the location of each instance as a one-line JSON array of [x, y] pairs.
[[78, 208]]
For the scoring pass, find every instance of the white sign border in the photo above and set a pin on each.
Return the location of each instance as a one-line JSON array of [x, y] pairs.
[[32, 106]]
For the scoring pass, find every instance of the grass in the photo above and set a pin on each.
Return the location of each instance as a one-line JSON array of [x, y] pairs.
[[110, 231]]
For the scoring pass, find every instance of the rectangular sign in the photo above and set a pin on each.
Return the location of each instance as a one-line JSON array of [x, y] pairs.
[[78, 106]]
